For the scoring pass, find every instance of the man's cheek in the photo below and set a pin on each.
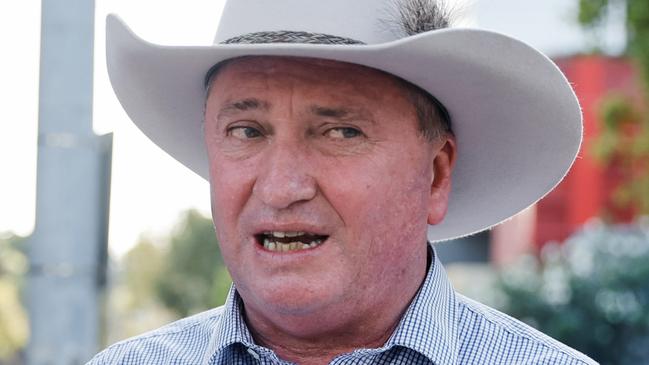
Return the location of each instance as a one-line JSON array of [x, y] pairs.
[[231, 187]]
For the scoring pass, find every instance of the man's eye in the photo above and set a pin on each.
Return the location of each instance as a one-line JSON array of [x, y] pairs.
[[244, 132], [343, 133]]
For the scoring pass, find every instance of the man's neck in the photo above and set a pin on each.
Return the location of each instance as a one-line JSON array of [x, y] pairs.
[[301, 351], [334, 341]]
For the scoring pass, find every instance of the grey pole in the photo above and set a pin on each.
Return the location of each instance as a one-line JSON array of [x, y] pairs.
[[67, 251]]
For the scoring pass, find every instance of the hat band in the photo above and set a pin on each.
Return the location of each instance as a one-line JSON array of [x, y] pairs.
[[287, 36], [282, 36]]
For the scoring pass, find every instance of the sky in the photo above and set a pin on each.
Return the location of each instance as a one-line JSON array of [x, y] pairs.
[[149, 189]]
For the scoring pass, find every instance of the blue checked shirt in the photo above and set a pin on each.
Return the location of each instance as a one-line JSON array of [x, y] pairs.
[[440, 327]]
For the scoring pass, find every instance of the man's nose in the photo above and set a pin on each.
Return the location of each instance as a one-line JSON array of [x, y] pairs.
[[285, 176]]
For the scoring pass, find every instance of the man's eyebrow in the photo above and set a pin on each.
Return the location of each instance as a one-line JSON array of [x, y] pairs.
[[242, 106], [339, 112]]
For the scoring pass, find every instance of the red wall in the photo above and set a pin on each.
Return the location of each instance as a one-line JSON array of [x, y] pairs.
[[585, 192]]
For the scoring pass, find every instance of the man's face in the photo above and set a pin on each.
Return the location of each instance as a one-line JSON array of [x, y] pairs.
[[330, 153]]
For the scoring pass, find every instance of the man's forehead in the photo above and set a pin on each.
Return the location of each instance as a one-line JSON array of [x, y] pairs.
[[342, 82], [326, 88], [250, 67], [272, 63]]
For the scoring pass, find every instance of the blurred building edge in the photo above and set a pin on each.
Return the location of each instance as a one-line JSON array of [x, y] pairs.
[[67, 251], [586, 191], [583, 195]]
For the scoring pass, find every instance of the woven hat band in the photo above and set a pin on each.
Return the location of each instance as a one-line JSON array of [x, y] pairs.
[[285, 36]]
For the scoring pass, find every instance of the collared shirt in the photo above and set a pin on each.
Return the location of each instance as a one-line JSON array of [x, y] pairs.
[[440, 327]]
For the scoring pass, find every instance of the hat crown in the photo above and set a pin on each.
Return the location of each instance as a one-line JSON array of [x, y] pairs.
[[361, 20]]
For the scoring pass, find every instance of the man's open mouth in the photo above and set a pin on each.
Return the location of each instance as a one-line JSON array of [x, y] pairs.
[[289, 241]]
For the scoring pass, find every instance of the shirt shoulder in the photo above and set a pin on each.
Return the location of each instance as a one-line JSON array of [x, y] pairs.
[[487, 336], [182, 342]]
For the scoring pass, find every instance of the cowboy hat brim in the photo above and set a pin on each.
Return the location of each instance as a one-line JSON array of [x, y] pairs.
[[516, 119]]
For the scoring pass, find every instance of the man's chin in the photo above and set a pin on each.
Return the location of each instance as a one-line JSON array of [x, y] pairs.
[[300, 316], [292, 300]]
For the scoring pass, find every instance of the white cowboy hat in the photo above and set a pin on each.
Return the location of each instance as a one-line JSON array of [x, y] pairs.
[[516, 119]]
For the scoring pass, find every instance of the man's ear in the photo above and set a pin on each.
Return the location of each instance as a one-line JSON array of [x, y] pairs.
[[440, 188]]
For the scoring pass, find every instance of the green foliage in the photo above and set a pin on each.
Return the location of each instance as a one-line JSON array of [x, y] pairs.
[[163, 279], [13, 320], [623, 146], [624, 142], [133, 302], [193, 277], [591, 293], [142, 267], [592, 12], [638, 28], [592, 15]]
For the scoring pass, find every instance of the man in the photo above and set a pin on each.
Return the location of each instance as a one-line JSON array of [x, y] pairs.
[[335, 148]]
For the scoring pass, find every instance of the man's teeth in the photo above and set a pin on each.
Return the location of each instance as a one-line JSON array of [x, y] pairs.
[[293, 246], [271, 244], [285, 234]]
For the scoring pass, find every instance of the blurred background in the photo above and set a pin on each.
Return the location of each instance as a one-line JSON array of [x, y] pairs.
[[103, 236]]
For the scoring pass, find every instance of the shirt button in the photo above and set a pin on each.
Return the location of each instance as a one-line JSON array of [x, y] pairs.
[[253, 353]]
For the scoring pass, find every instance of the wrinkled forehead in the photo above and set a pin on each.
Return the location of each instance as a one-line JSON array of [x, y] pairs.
[[274, 62], [240, 70], [324, 80]]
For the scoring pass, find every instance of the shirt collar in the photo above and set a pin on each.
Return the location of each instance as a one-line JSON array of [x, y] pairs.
[[428, 326], [231, 329]]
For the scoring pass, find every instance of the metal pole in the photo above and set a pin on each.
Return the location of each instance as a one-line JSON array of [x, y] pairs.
[[67, 251]]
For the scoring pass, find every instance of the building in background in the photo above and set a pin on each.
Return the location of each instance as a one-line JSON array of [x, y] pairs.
[[585, 192]]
